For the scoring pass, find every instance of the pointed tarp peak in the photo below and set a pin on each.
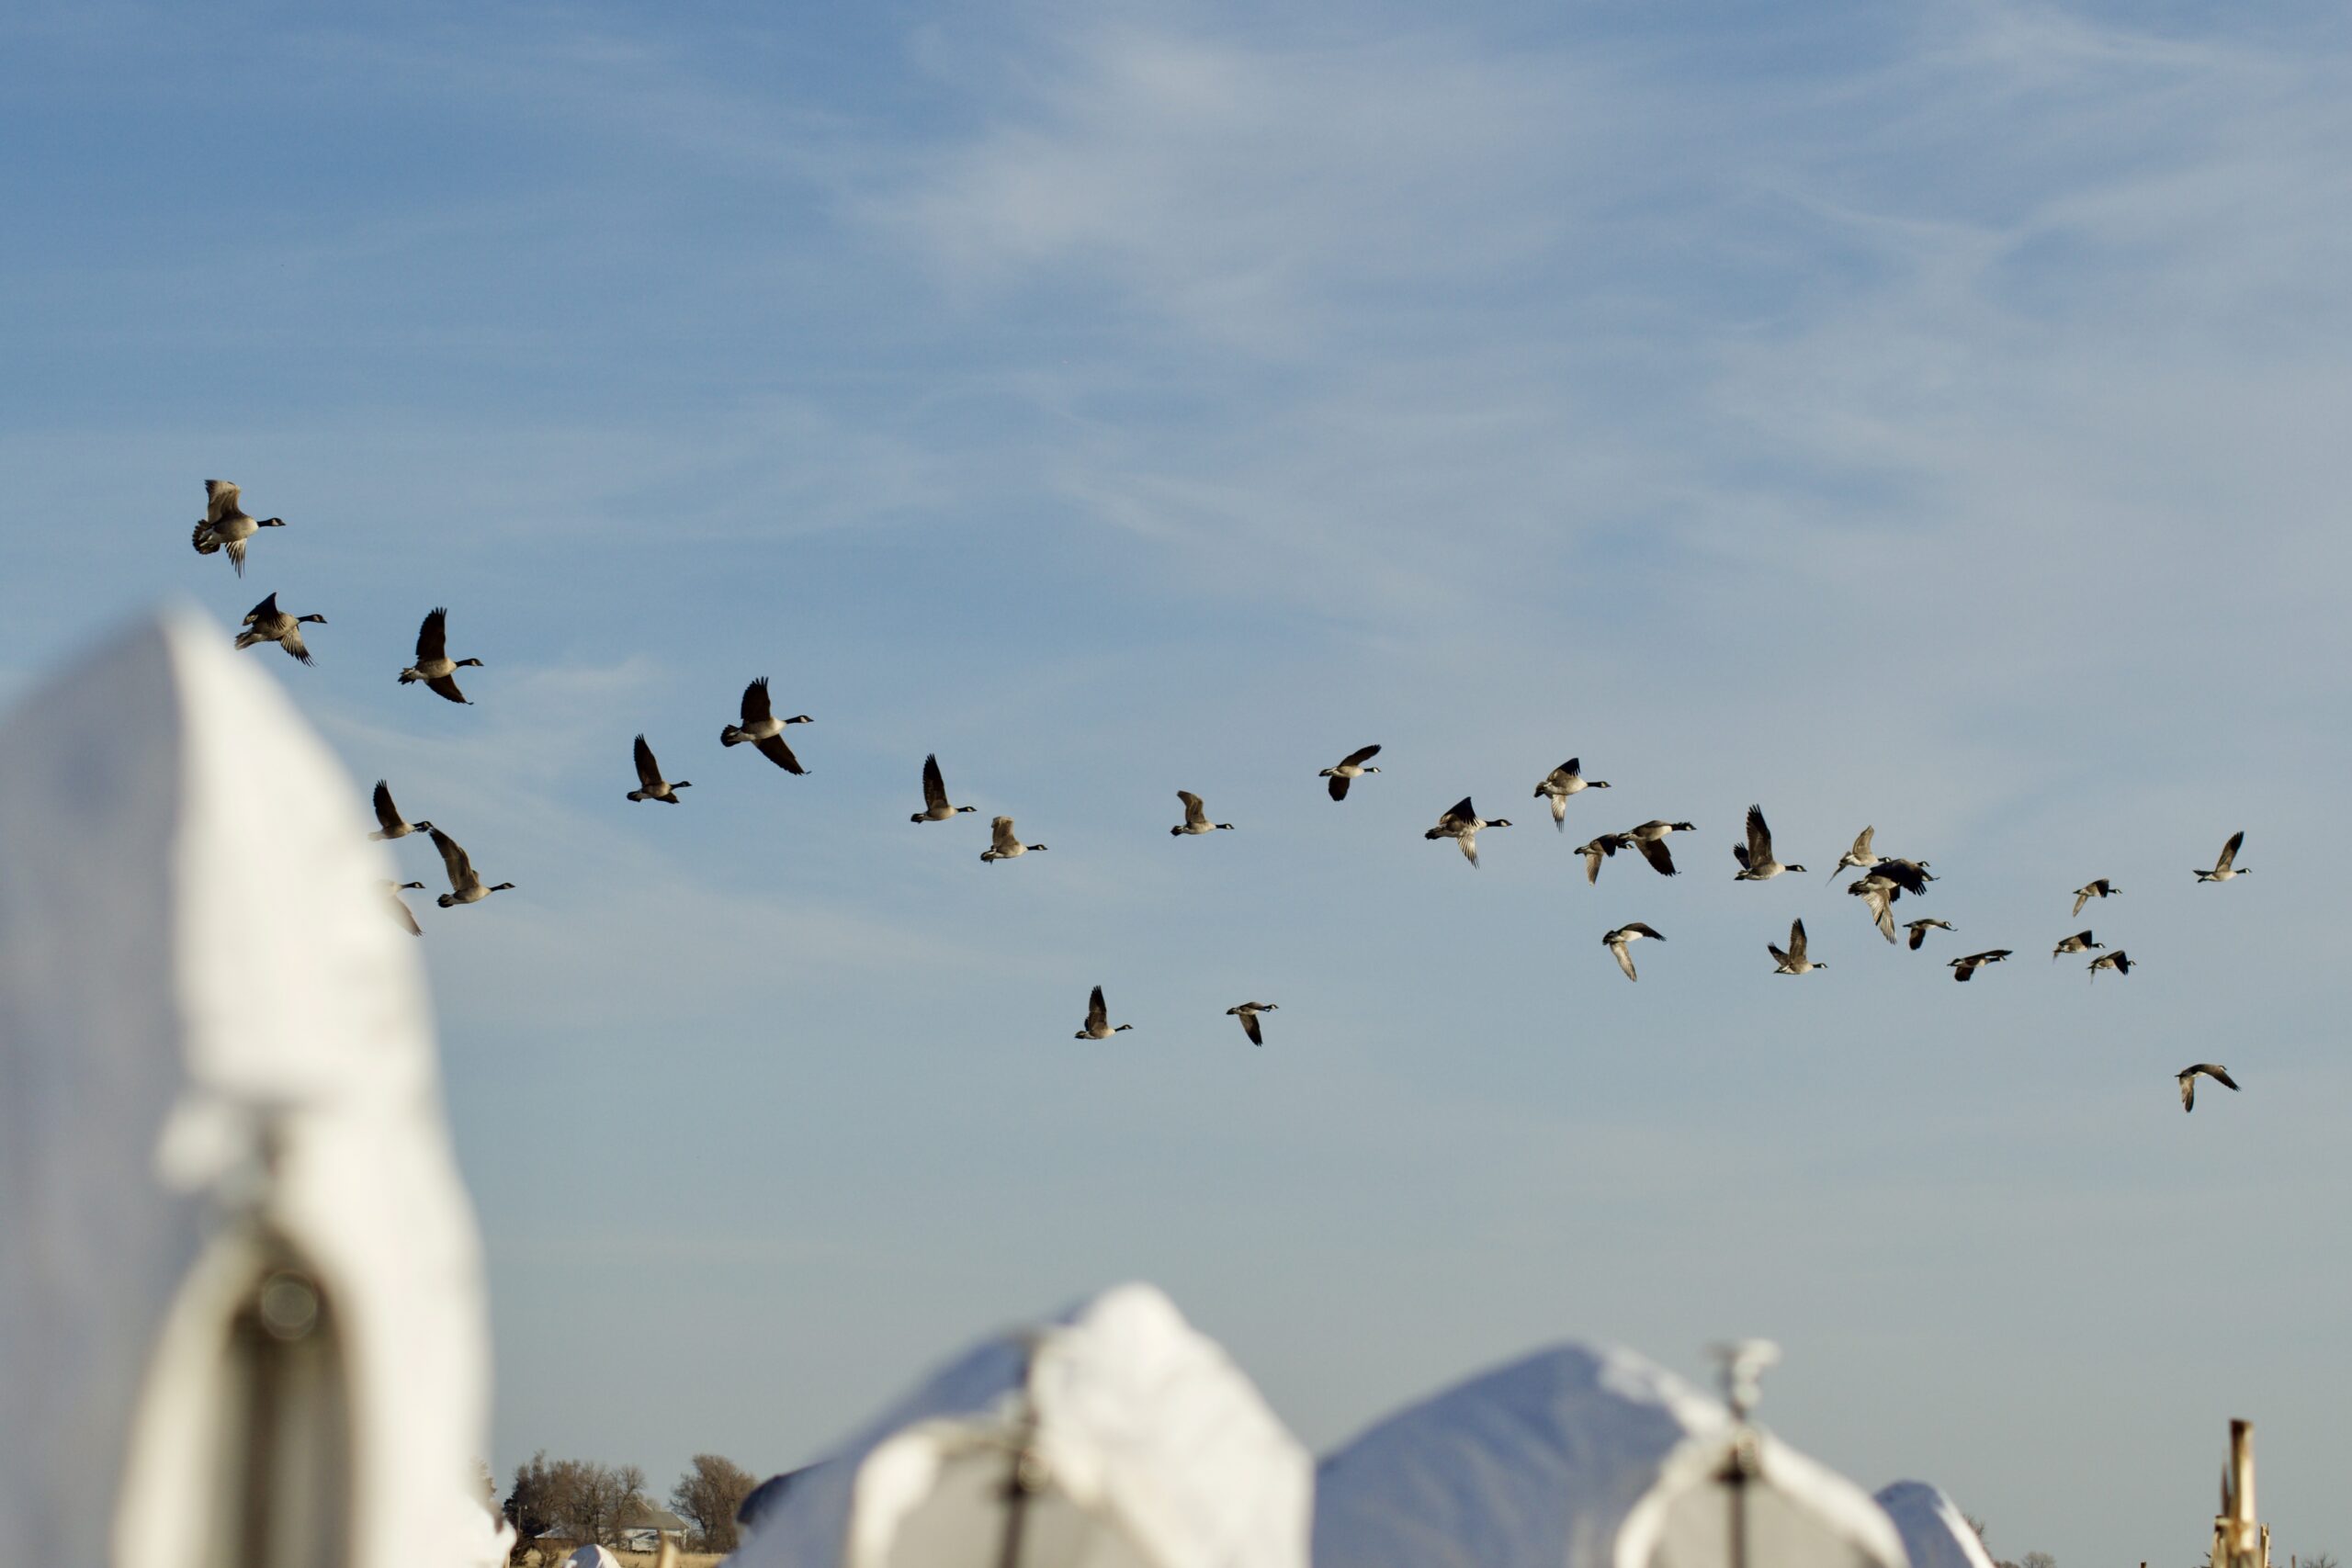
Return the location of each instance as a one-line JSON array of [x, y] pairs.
[[1935, 1532], [223, 1138]]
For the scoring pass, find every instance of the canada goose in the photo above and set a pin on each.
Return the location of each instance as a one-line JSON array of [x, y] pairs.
[[1561, 783], [2225, 868], [763, 730], [1650, 838], [1002, 845], [388, 816], [1961, 969], [1599, 849], [2119, 961], [2102, 888], [1617, 940], [266, 623], [225, 525], [1098, 1020], [2079, 942], [433, 666], [1196, 816], [1920, 929], [1755, 857], [392, 891], [1911, 875], [1861, 855], [464, 884], [934, 796], [1460, 823], [1248, 1013], [1351, 767], [650, 784], [2186, 1078], [1879, 894], [1794, 962]]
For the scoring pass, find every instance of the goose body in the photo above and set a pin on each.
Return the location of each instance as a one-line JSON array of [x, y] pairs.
[[1350, 769], [1879, 894], [2102, 888], [1962, 968], [465, 883], [1601, 849], [1563, 782], [1003, 844], [763, 730], [390, 824], [935, 808], [266, 623], [225, 525], [1650, 838], [1755, 857], [1860, 856], [392, 891], [1098, 1020], [1919, 930], [1461, 823], [2227, 866], [1618, 941], [1248, 1013], [650, 784], [433, 666], [1196, 816], [2187, 1078], [2079, 942], [2119, 961], [1794, 962]]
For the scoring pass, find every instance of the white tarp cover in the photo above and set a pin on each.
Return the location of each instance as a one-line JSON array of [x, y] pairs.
[[193, 944], [1154, 1450], [1935, 1532], [592, 1557], [1580, 1458]]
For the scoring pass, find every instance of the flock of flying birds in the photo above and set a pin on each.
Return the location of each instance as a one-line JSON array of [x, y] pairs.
[[1885, 880]]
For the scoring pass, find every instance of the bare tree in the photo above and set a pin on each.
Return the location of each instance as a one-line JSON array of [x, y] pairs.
[[579, 1499], [2317, 1559], [708, 1495], [2037, 1560]]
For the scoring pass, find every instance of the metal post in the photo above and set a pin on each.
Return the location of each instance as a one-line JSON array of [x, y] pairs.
[[1743, 1361]]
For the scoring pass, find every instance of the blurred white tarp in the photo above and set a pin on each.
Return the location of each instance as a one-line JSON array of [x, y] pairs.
[[241, 1310], [1935, 1532], [1138, 1444], [1582, 1457]]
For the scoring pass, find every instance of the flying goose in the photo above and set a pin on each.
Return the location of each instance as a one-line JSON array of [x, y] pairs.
[[389, 817], [1879, 894], [2079, 942], [650, 784], [1911, 875], [1002, 845], [1599, 849], [1617, 940], [2102, 888], [433, 666], [1920, 929], [266, 623], [2225, 868], [1248, 1013], [1650, 838], [1561, 783], [1460, 823], [1351, 767], [225, 525], [2119, 961], [934, 795], [465, 883], [1860, 856], [1961, 969], [2186, 1078], [1196, 816], [1755, 857], [1794, 962], [1098, 1020], [763, 730], [392, 891]]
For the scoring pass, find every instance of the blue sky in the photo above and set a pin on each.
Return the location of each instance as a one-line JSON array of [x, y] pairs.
[[1929, 417]]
